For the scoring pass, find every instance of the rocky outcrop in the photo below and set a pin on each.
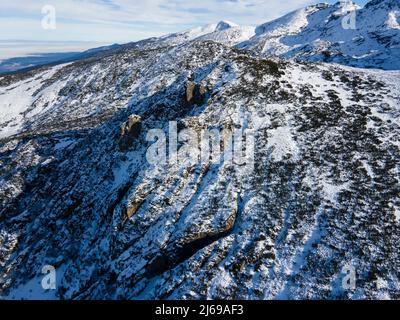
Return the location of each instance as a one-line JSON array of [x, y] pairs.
[[187, 247], [130, 131], [195, 93]]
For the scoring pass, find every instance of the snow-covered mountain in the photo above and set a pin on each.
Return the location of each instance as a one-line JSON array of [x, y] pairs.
[[341, 33], [78, 192], [225, 32]]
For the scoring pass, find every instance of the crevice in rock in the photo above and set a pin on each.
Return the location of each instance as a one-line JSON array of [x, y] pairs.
[[170, 259]]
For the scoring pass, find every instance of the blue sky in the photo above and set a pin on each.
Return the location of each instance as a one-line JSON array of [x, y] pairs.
[[120, 21]]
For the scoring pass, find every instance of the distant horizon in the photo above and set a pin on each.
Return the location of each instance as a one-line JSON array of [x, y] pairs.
[[96, 30]]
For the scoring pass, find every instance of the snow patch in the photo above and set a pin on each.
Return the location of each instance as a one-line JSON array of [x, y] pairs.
[[33, 290], [17, 98], [283, 144], [397, 214], [222, 281], [393, 20], [331, 190]]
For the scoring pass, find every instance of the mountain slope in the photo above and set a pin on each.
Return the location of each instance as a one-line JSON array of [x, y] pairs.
[[316, 194], [325, 33], [323, 193]]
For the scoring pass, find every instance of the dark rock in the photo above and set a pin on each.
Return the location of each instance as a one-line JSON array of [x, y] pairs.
[[130, 131], [195, 93]]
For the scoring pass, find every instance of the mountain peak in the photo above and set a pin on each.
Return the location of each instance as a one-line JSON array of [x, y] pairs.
[[317, 33], [224, 24]]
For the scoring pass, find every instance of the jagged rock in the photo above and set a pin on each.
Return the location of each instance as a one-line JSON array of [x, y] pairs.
[[130, 131], [131, 127], [195, 93]]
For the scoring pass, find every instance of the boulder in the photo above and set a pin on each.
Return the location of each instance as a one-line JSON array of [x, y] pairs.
[[130, 131], [195, 93]]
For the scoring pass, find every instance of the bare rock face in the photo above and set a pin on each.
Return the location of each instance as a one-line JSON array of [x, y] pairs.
[[130, 131], [195, 93]]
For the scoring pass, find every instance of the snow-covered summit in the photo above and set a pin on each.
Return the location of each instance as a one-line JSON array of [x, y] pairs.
[[224, 25], [342, 33], [230, 36], [224, 31], [291, 23]]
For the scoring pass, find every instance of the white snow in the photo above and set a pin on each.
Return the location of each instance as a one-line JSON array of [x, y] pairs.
[[63, 144], [230, 36], [397, 214], [18, 97], [345, 6], [288, 24], [33, 290], [393, 18], [222, 281], [283, 144], [308, 33], [225, 32], [368, 168], [332, 190]]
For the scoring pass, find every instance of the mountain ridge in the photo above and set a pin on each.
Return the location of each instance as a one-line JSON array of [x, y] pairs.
[[314, 33]]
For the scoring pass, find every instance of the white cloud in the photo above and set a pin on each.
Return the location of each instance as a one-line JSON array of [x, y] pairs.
[[126, 20], [121, 21]]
